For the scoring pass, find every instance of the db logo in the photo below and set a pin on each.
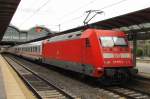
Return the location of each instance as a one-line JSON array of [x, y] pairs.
[[117, 55]]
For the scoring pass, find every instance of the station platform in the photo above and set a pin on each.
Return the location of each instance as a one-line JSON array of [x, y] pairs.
[[11, 86], [143, 59], [144, 69]]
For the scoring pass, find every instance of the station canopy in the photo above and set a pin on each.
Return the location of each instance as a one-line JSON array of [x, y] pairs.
[[7, 10]]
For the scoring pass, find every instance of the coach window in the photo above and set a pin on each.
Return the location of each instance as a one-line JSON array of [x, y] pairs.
[[36, 49], [39, 48], [32, 49]]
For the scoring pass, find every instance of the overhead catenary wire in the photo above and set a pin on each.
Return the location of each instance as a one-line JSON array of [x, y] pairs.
[[72, 12], [105, 7], [113, 4], [37, 10], [76, 10]]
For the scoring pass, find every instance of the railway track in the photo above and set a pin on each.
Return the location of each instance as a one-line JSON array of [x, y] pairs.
[[41, 87], [125, 92], [138, 88], [128, 93]]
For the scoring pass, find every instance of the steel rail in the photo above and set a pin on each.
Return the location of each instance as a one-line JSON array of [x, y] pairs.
[[66, 94]]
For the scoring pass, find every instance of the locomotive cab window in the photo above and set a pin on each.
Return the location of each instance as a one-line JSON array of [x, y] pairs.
[[113, 41], [107, 41], [119, 41]]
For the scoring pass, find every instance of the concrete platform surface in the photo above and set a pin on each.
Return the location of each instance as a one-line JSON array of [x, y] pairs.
[[2, 88], [144, 69], [11, 86]]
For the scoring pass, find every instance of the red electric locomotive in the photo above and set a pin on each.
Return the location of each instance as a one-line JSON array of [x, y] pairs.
[[93, 52]]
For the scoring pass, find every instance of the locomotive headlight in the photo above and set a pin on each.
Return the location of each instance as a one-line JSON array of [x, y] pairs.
[[125, 55], [108, 55]]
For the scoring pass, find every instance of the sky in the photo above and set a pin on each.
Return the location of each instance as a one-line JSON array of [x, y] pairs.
[[70, 13]]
